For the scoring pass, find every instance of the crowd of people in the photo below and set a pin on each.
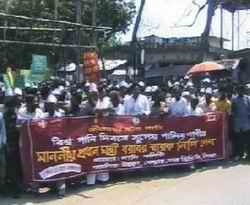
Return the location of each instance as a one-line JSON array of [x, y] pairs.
[[175, 98]]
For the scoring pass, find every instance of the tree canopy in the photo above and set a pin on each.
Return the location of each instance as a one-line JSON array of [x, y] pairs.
[[117, 14]]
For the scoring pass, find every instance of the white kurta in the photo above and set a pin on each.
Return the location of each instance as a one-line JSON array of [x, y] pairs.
[[179, 108], [139, 106], [119, 110]]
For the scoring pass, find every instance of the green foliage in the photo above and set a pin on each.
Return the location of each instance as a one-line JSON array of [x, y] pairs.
[[117, 14]]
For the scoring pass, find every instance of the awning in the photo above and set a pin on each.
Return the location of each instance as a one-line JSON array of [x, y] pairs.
[[69, 68], [119, 72], [230, 63], [232, 7], [174, 70], [111, 64]]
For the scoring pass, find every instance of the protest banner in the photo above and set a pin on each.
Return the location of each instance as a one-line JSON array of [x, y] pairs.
[[65, 148]]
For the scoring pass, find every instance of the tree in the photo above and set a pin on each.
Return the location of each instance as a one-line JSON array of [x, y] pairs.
[[117, 14]]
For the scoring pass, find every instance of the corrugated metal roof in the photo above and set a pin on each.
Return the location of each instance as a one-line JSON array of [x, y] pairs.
[[174, 70], [111, 64], [232, 7], [120, 72], [229, 63]]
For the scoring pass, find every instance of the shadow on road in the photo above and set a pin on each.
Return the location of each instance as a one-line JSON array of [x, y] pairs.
[[119, 178]]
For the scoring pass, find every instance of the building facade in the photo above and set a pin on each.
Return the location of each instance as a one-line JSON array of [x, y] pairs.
[[171, 56]]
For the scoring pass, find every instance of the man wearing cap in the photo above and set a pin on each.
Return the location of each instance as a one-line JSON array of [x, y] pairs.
[[123, 88], [207, 104], [90, 105], [51, 109], [148, 92], [103, 104], [179, 108], [117, 106], [137, 103], [195, 110], [187, 97], [30, 110]]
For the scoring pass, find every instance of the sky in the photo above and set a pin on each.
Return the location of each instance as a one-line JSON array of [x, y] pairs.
[[162, 17]]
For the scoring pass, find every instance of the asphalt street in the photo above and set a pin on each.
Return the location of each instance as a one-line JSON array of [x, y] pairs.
[[222, 183]]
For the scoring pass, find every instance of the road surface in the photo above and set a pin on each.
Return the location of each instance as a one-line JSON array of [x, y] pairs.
[[213, 184]]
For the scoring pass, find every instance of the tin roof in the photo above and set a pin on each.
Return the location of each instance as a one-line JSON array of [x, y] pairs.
[[232, 7]]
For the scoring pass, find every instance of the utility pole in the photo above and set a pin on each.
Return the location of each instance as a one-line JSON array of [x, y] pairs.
[[134, 43], [94, 11], [6, 9], [78, 6], [221, 27], [56, 9], [238, 30], [233, 30]]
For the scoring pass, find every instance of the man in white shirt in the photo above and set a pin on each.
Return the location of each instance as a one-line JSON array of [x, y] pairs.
[[29, 110], [123, 88], [207, 102], [117, 106], [137, 103], [51, 108], [179, 108], [103, 105], [187, 97], [195, 110]]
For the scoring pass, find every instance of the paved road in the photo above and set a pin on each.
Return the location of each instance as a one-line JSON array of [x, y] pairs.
[[216, 184]]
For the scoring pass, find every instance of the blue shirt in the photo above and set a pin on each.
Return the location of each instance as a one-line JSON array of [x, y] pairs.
[[241, 113]]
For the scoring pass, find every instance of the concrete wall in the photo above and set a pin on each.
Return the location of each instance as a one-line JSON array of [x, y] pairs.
[[171, 55]]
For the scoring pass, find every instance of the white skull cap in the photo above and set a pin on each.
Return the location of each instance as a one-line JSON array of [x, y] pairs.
[[142, 84], [124, 84], [52, 99], [18, 91], [148, 89]]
